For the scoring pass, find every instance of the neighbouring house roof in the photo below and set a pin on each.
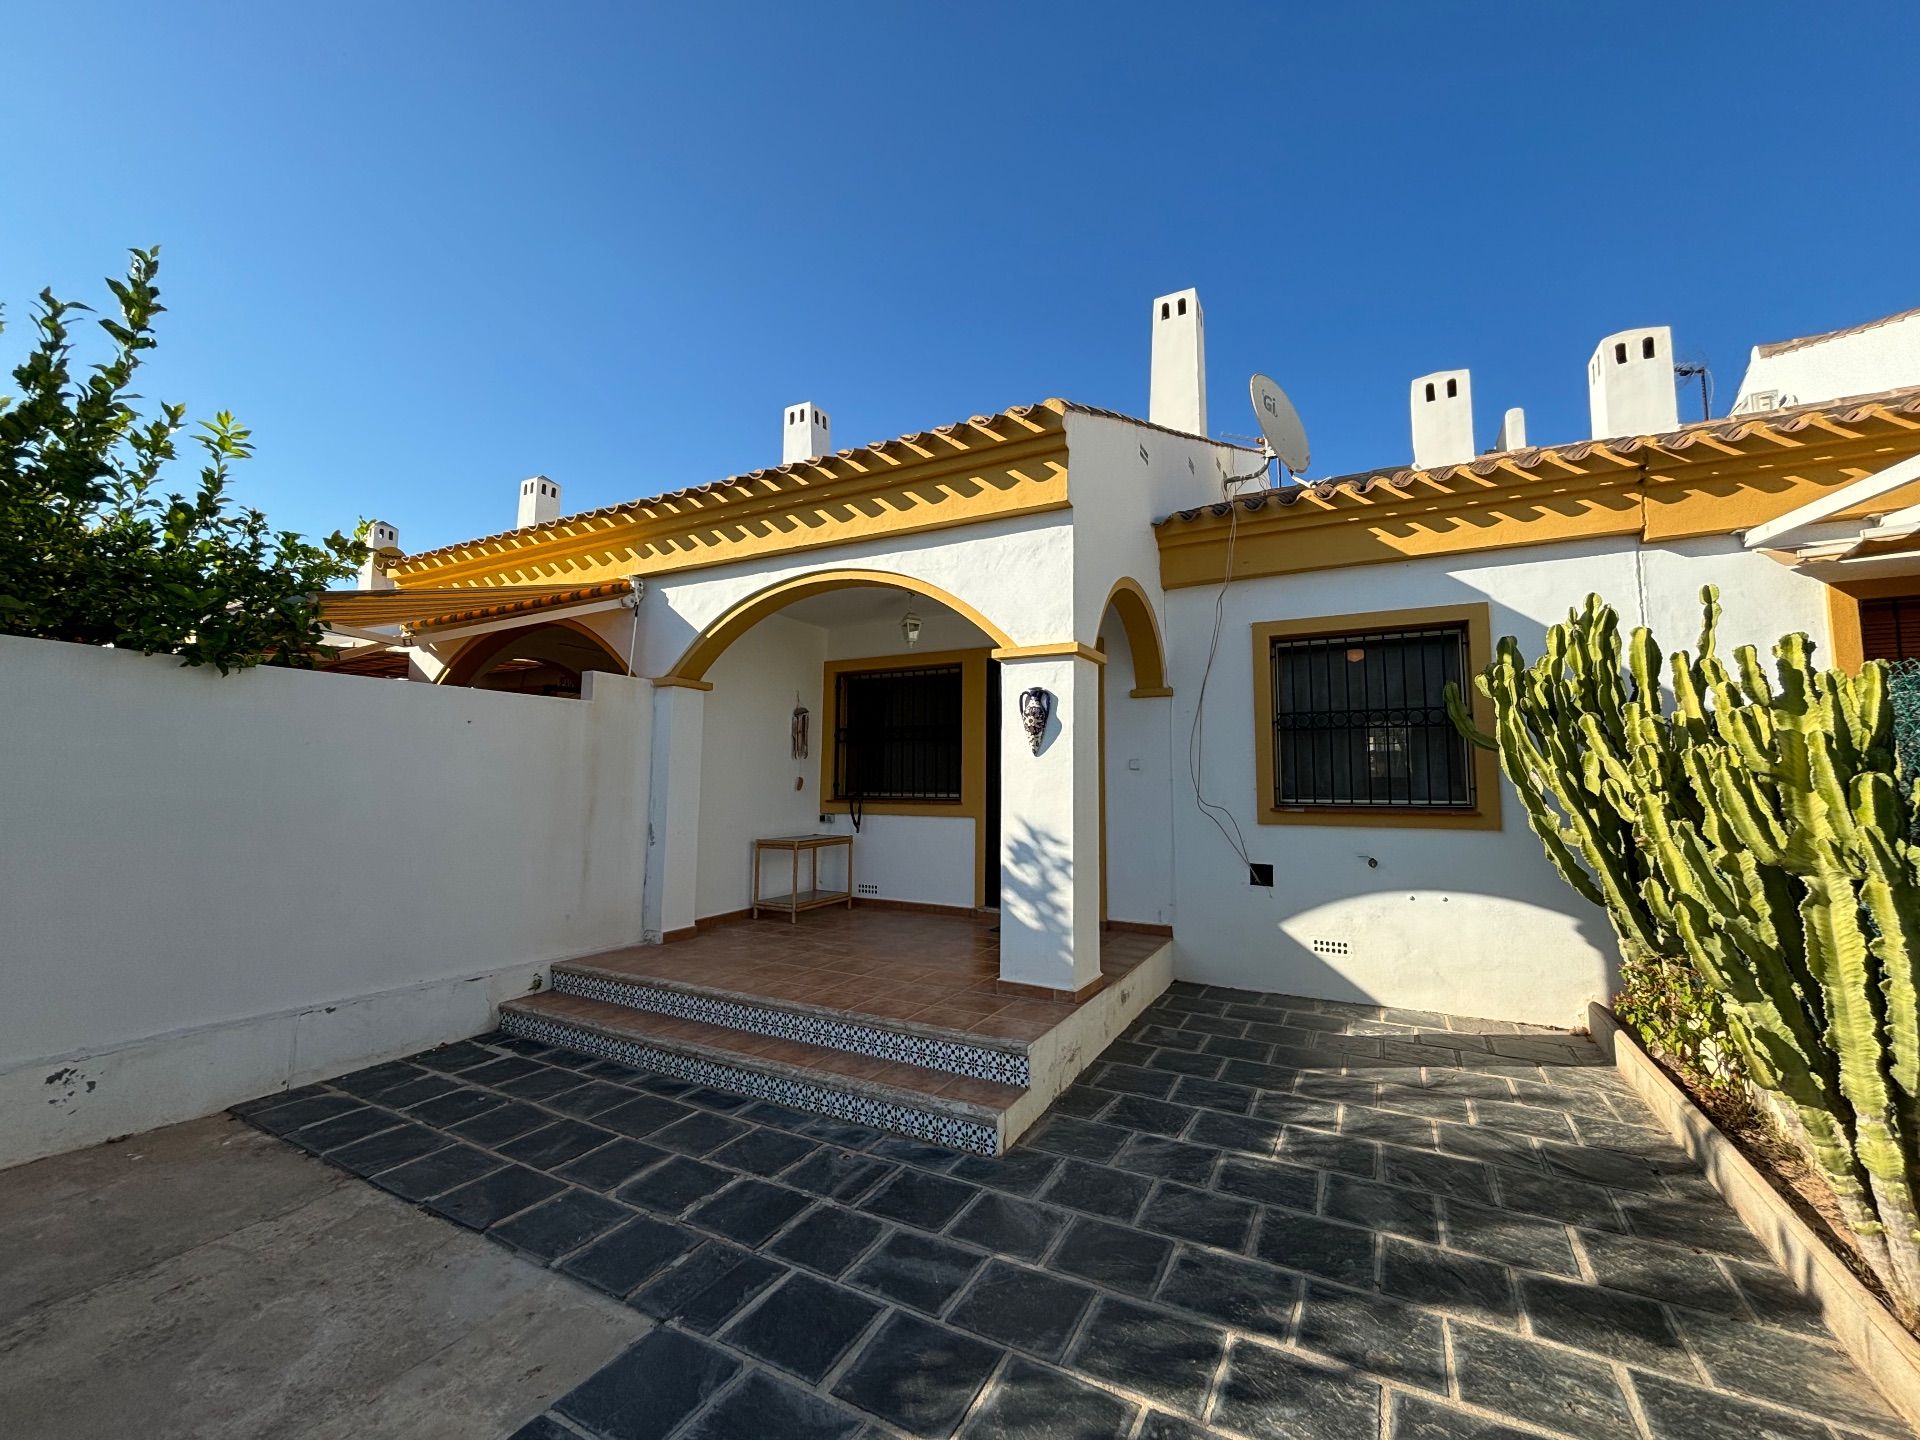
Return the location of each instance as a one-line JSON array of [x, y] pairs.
[[1781, 347], [766, 488], [427, 609], [380, 662], [1762, 434]]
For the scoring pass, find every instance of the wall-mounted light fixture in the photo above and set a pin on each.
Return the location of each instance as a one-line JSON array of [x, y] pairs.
[[910, 629], [1035, 706]]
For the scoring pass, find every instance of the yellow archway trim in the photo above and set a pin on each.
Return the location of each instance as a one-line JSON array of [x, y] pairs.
[[693, 664], [1067, 649], [1130, 600]]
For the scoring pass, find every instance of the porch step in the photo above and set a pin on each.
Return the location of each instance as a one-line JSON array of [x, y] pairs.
[[954, 1052], [959, 1111]]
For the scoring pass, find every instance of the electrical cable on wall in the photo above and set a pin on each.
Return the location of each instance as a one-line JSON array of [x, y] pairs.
[[1222, 818], [638, 588]]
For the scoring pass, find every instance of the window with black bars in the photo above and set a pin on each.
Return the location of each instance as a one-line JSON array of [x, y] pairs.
[[1360, 721], [897, 734]]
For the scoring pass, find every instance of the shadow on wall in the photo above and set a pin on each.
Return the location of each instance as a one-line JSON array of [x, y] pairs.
[[1036, 873], [1463, 924]]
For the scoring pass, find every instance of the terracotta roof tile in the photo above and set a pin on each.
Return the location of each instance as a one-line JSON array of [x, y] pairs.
[[502, 609], [1902, 407]]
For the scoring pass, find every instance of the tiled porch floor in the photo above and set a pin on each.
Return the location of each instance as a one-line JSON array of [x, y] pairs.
[[1254, 1217], [935, 971]]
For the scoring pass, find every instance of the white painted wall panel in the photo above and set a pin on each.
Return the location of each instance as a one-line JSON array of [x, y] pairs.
[[747, 769], [219, 885], [1139, 793], [1468, 922]]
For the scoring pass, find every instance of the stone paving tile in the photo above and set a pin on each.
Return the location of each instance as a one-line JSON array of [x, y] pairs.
[[1095, 1189], [1168, 1358], [761, 1406], [917, 1375], [1271, 1392], [1254, 1216], [828, 1239], [1239, 1294], [1540, 1384], [1380, 1337], [1035, 1402], [1006, 1226], [804, 1326], [660, 1381], [916, 1270], [673, 1184], [560, 1225], [1026, 1309]]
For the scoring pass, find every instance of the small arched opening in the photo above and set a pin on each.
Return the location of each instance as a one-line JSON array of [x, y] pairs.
[[544, 659]]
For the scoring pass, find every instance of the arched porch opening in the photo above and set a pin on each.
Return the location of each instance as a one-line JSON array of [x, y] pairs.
[[1135, 720], [545, 659], [895, 679], [694, 662]]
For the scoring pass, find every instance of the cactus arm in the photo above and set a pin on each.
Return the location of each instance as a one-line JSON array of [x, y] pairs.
[[1644, 659], [1463, 720], [1891, 895], [1838, 956], [1709, 619]]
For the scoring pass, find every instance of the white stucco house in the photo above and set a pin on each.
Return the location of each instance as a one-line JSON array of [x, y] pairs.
[[1080, 552], [1062, 703]]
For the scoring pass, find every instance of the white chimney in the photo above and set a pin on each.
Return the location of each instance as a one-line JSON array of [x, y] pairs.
[[1177, 393], [383, 548], [539, 502], [1630, 384], [807, 433], [1442, 405], [1513, 430]]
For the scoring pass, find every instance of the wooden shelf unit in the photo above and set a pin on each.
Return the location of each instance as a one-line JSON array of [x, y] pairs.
[[796, 899]]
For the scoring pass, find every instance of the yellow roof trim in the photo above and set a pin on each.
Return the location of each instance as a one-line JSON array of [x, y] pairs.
[[883, 460], [1737, 438]]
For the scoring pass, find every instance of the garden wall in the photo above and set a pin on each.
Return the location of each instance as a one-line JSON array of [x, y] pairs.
[[217, 886]]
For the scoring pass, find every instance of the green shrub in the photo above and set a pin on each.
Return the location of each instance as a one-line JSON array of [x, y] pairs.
[[93, 551]]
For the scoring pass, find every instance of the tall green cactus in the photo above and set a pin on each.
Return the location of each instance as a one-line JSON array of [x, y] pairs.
[[1762, 829]]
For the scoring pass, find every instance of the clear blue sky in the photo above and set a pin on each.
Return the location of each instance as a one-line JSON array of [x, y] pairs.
[[428, 249]]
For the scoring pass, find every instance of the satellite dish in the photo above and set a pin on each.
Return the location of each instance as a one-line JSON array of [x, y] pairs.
[[1280, 423]]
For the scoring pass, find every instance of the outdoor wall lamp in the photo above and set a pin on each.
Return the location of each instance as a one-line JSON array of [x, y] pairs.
[[910, 629], [1035, 706]]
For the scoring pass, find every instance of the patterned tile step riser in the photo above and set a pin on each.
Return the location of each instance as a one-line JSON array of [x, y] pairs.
[[931, 1125], [951, 1057]]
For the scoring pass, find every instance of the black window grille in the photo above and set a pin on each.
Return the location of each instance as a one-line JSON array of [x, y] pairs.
[[897, 734], [1360, 721]]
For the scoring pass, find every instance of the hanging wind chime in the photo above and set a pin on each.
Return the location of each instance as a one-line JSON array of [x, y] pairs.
[[799, 732]]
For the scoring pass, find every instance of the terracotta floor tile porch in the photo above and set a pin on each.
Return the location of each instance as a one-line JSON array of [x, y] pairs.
[[883, 1017], [911, 969]]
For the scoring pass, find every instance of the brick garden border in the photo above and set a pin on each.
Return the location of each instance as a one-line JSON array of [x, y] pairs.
[[1878, 1343]]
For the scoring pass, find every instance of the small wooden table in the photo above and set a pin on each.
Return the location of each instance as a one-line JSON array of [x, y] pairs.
[[813, 897]]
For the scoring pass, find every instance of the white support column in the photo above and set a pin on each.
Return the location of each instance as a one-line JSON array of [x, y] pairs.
[[1050, 827], [673, 809]]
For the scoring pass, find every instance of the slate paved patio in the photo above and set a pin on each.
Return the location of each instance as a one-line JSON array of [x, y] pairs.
[[1255, 1216]]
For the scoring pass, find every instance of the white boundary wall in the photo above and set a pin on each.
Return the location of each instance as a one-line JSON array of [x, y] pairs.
[[217, 886]]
